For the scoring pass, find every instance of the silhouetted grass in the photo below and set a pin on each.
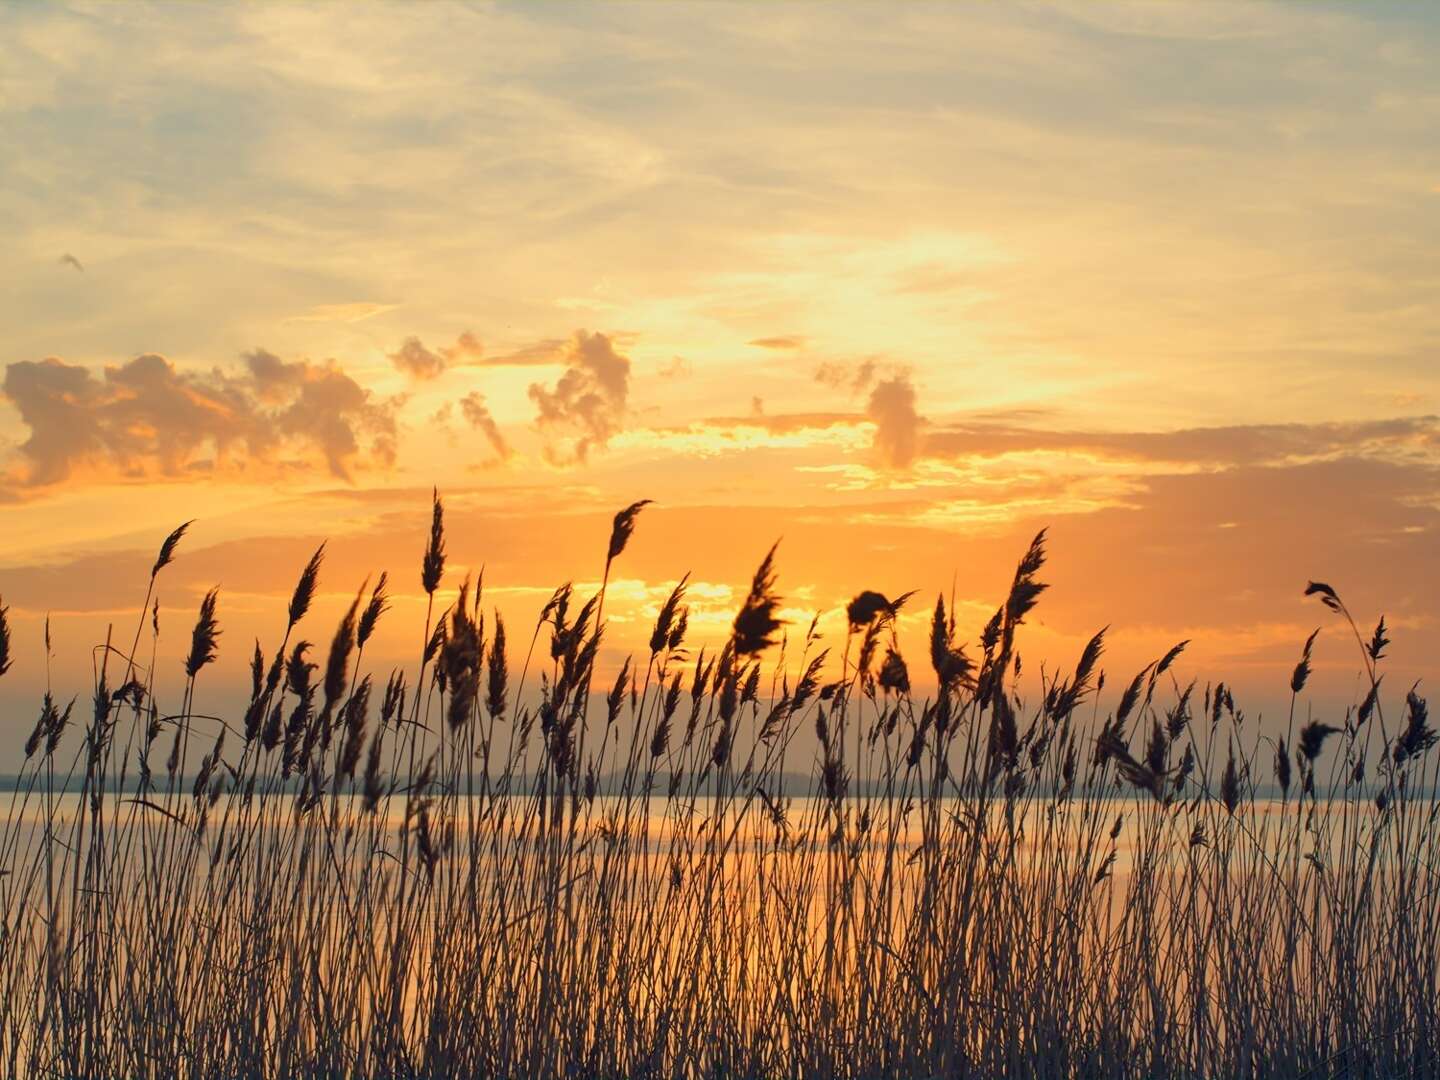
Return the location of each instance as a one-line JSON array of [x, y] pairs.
[[484, 872]]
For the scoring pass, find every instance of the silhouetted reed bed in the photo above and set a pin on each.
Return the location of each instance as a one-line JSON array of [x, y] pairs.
[[490, 864]]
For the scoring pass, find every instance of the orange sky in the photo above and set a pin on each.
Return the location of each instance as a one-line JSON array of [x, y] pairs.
[[897, 284]]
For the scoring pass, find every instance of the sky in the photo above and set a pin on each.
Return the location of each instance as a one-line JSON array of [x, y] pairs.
[[898, 285]]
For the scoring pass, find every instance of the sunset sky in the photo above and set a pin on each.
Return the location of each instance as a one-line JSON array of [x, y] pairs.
[[898, 284]]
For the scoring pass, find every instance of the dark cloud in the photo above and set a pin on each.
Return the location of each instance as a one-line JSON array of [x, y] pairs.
[[145, 418], [477, 415], [588, 400], [70, 260], [422, 363], [897, 424]]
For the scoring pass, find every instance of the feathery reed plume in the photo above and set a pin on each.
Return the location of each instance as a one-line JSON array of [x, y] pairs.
[[1367, 706], [1177, 718], [1130, 698], [337, 666], [498, 672], [392, 705], [1282, 767], [432, 567], [621, 530], [373, 788], [305, 588], [257, 671], [204, 636], [894, 675], [297, 681], [353, 718], [1069, 698], [1230, 784], [757, 623], [1417, 736], [57, 728], [460, 661], [616, 697], [952, 666], [1004, 736], [49, 717], [1024, 590], [665, 620], [255, 710], [1161, 667], [660, 739], [1312, 739], [677, 632], [378, 604], [438, 637], [1157, 750], [1327, 595], [425, 841], [1302, 669], [809, 682], [167, 549], [861, 611], [5, 659], [1378, 642], [1169, 658]]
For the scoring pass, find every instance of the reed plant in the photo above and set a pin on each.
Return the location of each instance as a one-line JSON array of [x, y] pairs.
[[465, 868]]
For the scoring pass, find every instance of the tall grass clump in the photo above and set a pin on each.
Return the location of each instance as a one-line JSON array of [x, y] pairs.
[[464, 868]]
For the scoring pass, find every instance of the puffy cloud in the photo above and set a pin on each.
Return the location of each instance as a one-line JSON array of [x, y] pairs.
[[146, 418], [588, 399], [897, 424], [477, 415], [418, 361]]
